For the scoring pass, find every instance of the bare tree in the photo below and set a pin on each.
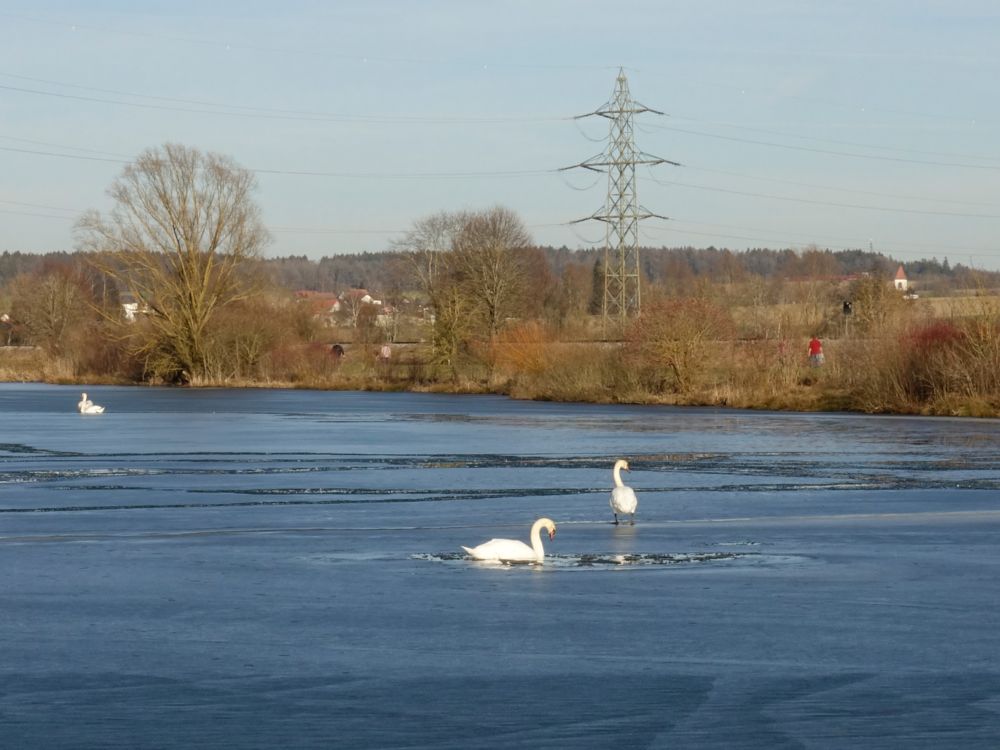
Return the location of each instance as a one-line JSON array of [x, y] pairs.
[[48, 304], [678, 336], [429, 244], [488, 265], [352, 302], [179, 238], [472, 267], [427, 241]]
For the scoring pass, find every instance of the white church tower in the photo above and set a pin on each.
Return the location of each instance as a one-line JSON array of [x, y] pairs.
[[900, 280]]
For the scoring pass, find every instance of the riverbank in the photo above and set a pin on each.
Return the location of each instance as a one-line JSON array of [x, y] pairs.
[[755, 377]]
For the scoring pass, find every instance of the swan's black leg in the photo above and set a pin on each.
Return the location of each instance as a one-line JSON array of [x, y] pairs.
[[632, 521], [616, 519]]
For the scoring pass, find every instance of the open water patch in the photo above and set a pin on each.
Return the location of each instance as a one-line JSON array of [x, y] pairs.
[[20, 449], [736, 472], [601, 561]]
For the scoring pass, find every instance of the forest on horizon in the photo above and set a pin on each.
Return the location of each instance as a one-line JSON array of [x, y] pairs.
[[668, 268]]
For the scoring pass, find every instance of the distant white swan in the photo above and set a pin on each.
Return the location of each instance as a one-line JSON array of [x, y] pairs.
[[86, 406], [623, 499], [511, 550]]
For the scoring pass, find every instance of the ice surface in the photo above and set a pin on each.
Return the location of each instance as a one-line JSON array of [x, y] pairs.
[[223, 568]]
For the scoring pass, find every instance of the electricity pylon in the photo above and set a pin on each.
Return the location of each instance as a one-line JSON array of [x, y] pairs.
[[621, 213]]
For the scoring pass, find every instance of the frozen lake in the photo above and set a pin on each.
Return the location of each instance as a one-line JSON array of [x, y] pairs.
[[271, 569]]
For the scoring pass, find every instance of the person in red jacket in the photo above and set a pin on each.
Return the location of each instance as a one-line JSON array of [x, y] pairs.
[[815, 352]]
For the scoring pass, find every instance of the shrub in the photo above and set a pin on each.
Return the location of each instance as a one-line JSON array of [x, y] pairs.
[[591, 372], [929, 367], [522, 349], [672, 342]]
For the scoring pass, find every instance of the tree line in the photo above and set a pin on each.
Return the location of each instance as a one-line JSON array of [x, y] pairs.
[[676, 266]]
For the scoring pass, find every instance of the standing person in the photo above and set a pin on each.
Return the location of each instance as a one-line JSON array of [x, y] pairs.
[[816, 357]]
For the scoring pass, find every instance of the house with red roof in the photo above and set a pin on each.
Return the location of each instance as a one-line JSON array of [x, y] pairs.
[[323, 305]]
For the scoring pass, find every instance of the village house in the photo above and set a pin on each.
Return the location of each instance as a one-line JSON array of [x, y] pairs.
[[322, 305], [132, 308], [360, 297]]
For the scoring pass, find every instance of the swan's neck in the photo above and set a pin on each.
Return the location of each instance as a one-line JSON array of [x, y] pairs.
[[536, 540], [618, 475]]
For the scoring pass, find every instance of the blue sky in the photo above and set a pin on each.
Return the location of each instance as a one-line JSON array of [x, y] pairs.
[[840, 125]]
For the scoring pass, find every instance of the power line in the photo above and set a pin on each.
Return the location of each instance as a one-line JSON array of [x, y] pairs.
[[852, 107], [406, 175], [677, 224], [229, 110], [832, 152], [532, 173], [920, 212], [60, 146], [35, 213], [325, 52], [266, 114], [853, 191], [329, 230], [315, 173], [836, 142], [215, 43], [38, 205], [36, 152]]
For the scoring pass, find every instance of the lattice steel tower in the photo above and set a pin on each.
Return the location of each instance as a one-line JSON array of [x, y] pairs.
[[621, 213]]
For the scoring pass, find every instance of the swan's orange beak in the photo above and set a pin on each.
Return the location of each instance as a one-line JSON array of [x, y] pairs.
[[552, 534]]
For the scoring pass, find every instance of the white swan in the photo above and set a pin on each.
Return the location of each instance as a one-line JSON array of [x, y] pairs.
[[86, 406], [511, 550], [623, 499]]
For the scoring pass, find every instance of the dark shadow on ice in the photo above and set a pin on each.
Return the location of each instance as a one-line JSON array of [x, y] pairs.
[[599, 560]]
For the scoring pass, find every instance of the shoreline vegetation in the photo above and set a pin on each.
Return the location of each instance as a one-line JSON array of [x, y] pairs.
[[934, 369], [738, 345]]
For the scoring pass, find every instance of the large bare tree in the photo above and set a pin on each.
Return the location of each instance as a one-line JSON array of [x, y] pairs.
[[489, 263], [472, 267], [183, 227]]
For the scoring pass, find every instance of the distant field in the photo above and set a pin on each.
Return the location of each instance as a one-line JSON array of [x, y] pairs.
[[965, 305]]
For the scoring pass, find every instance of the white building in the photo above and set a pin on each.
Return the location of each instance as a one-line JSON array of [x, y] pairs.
[[900, 281]]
